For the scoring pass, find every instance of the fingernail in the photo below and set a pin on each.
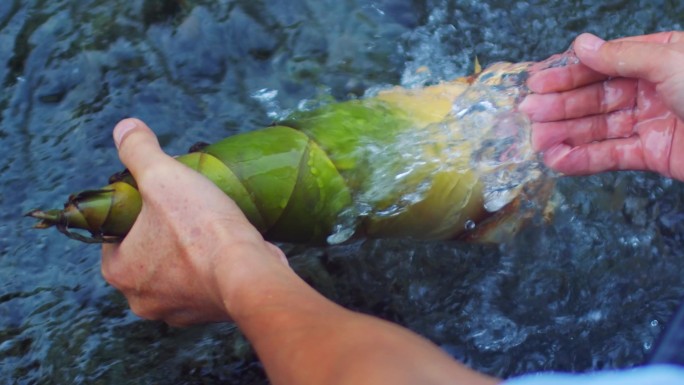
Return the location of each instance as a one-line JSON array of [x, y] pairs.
[[122, 128], [589, 42]]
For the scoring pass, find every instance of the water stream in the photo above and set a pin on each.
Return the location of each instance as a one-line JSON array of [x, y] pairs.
[[590, 290]]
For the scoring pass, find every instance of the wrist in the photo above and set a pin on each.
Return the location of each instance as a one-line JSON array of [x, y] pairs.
[[246, 273]]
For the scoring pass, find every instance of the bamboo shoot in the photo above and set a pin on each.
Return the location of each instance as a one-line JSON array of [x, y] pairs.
[[399, 164]]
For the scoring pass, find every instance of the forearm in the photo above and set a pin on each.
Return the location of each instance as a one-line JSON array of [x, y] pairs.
[[302, 338]]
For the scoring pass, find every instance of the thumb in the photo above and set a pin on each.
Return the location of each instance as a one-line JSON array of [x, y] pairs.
[[652, 61], [138, 145]]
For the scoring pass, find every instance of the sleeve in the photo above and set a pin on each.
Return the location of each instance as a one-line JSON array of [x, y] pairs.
[[646, 375]]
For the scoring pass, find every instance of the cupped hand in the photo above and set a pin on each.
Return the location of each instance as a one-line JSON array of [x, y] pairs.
[[187, 232], [620, 108]]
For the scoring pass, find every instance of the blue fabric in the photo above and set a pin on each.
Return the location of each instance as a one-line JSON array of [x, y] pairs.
[[646, 375]]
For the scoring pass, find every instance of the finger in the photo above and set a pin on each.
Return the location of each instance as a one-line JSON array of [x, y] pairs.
[[563, 78], [146, 308], [619, 124], [658, 37], [597, 98], [654, 62], [176, 312], [592, 158], [108, 251], [566, 77], [138, 146], [279, 253], [108, 265]]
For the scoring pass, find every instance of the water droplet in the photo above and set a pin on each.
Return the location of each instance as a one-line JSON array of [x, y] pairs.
[[265, 95], [654, 323], [470, 225], [340, 235], [269, 100]]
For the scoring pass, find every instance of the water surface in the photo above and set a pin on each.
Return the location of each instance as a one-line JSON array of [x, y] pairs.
[[589, 291]]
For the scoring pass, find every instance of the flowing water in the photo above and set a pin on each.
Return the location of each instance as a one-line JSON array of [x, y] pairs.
[[590, 290]]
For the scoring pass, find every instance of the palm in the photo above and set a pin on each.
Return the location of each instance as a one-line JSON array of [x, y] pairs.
[[612, 125], [587, 121], [658, 137]]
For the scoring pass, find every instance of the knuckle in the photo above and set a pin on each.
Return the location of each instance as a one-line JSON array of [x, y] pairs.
[[109, 274], [178, 323], [140, 308], [622, 49]]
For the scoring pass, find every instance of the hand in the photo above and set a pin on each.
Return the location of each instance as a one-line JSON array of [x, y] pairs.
[[620, 108], [187, 234], [192, 257]]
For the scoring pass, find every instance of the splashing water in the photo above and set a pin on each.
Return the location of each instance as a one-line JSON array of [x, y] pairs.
[[484, 133], [500, 137]]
